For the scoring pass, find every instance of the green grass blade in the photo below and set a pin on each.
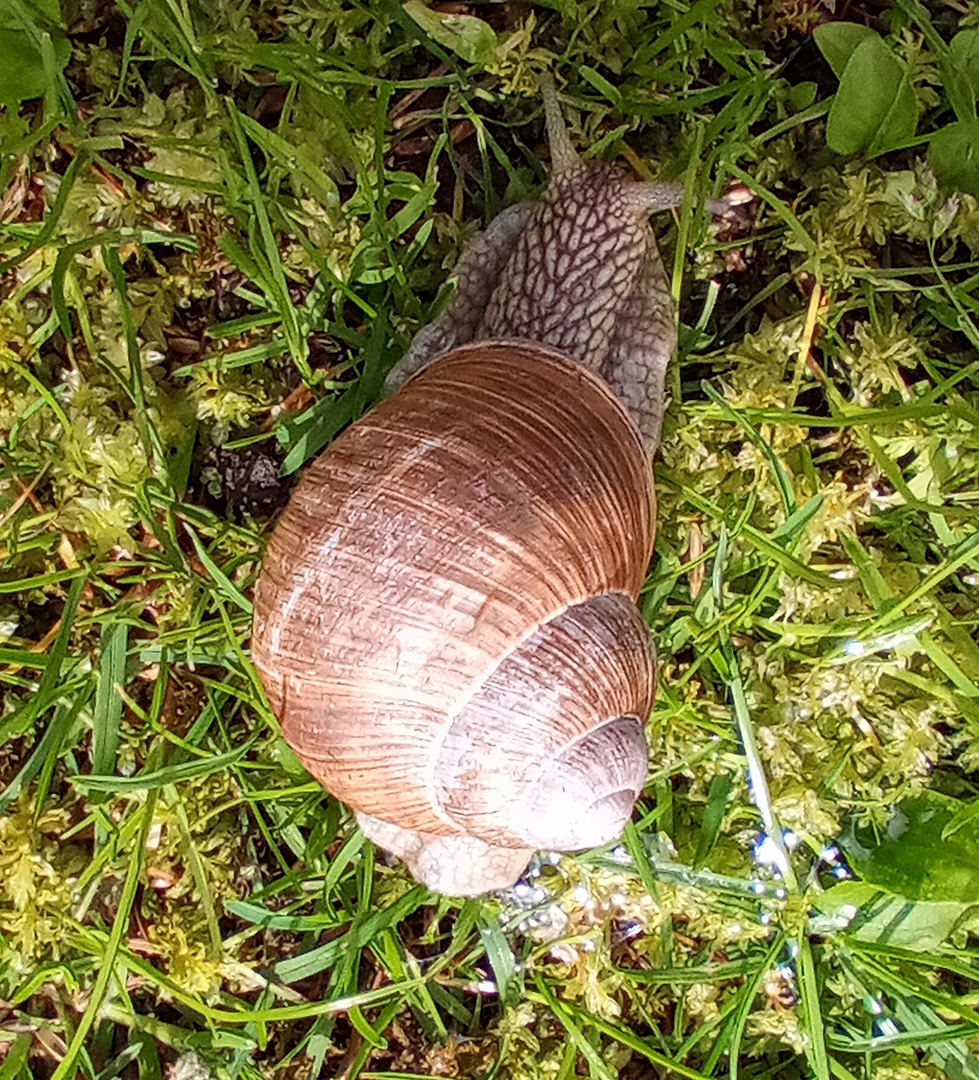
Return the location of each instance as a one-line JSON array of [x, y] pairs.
[[107, 959]]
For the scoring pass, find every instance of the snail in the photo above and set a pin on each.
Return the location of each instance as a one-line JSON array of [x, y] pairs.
[[445, 620]]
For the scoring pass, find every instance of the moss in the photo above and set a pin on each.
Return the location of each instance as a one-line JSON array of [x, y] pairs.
[[815, 527]]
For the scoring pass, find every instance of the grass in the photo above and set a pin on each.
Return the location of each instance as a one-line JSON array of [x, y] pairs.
[[220, 226]]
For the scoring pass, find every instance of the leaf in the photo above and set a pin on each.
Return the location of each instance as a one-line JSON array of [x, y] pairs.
[[314, 428], [875, 109], [108, 704], [15, 1063], [965, 815], [602, 85], [224, 584], [717, 800], [837, 41], [465, 35], [913, 858], [811, 1013], [22, 67], [962, 73], [22, 74], [879, 917], [952, 1056], [358, 937], [502, 960], [48, 10], [802, 95], [169, 774], [954, 155]]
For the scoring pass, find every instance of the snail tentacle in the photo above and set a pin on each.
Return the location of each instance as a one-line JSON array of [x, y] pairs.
[[563, 154]]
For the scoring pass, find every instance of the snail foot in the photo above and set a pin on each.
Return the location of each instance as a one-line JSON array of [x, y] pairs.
[[451, 865]]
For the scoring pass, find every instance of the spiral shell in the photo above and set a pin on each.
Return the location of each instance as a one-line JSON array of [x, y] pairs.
[[445, 620]]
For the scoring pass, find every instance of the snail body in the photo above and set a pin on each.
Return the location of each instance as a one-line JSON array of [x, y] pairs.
[[445, 620]]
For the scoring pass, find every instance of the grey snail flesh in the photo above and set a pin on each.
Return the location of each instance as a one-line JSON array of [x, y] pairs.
[[578, 270], [471, 550]]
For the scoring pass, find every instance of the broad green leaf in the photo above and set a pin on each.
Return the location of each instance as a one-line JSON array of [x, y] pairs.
[[837, 41], [912, 858], [22, 67], [954, 155], [465, 35], [962, 74], [876, 916], [875, 109], [22, 74]]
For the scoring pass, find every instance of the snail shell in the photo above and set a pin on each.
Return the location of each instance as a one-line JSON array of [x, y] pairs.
[[445, 620]]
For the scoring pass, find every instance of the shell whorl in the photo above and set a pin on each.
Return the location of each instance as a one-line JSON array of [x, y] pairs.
[[572, 697], [503, 486]]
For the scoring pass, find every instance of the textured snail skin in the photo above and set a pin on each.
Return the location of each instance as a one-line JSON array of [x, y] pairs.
[[578, 270], [445, 620]]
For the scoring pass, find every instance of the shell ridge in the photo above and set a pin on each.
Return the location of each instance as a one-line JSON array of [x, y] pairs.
[[478, 681], [547, 550]]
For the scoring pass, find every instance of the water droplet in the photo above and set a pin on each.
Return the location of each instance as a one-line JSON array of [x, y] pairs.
[[623, 931], [767, 852], [873, 1005]]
